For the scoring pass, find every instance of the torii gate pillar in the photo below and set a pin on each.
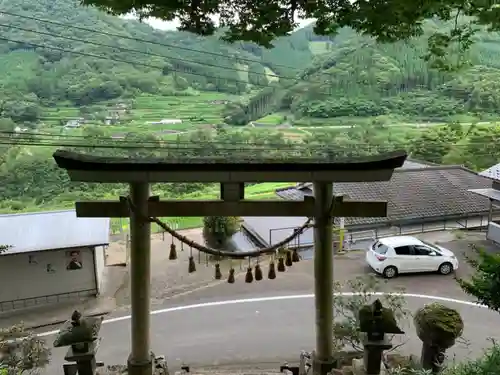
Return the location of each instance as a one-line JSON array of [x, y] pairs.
[[323, 277], [140, 361]]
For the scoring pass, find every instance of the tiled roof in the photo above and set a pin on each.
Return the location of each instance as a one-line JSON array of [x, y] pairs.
[[492, 172], [51, 230], [408, 164], [431, 192]]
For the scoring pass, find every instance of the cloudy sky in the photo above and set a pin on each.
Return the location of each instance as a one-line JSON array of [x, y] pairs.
[[171, 25]]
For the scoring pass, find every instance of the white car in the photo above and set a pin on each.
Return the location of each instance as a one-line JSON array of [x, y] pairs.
[[391, 256]]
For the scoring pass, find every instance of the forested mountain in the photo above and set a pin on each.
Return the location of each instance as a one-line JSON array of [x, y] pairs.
[[84, 62], [292, 54], [355, 77], [361, 78]]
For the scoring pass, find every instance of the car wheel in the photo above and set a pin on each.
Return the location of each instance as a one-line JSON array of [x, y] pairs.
[[445, 268], [390, 272]]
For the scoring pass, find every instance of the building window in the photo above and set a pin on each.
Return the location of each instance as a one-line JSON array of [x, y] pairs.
[[74, 260], [50, 268], [32, 259]]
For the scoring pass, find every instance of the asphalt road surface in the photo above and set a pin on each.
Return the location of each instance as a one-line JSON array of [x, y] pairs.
[[267, 331]]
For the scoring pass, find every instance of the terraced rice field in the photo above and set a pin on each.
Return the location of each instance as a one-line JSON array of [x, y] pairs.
[[195, 112]]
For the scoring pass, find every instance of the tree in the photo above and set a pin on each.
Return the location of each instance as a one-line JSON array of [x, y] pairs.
[[217, 230], [7, 127], [4, 248], [484, 283], [21, 351], [262, 22], [434, 143]]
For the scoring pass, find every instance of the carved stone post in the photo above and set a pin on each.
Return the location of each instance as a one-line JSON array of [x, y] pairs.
[[81, 335], [432, 357], [375, 322]]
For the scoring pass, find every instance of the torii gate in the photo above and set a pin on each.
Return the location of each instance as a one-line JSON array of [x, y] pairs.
[[232, 175]]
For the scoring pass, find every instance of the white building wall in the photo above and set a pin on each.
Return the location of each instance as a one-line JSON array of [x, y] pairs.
[[100, 266], [27, 280]]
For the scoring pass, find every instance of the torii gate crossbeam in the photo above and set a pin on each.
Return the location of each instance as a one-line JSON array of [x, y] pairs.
[[232, 175]]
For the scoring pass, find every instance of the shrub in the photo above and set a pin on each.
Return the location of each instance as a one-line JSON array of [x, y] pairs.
[[217, 230], [21, 351], [439, 325]]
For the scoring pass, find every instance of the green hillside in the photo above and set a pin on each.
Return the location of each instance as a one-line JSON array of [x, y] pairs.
[[350, 78], [82, 62], [362, 79]]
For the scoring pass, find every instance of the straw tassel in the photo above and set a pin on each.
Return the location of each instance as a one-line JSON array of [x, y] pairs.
[[192, 265], [295, 256], [218, 273], [173, 252], [230, 278], [249, 275], [281, 265], [288, 260], [258, 272], [272, 271]]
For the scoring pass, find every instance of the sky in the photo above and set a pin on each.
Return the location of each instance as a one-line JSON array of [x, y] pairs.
[[172, 25]]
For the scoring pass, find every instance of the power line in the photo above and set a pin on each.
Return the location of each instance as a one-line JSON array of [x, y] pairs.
[[124, 61], [177, 142], [182, 145], [266, 75], [139, 39], [103, 138], [48, 140], [142, 64], [166, 45], [141, 52], [220, 152]]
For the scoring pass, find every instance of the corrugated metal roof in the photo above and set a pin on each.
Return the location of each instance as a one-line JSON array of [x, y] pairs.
[[490, 193], [492, 172], [39, 231]]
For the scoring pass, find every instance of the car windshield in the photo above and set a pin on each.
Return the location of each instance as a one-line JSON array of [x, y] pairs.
[[380, 248]]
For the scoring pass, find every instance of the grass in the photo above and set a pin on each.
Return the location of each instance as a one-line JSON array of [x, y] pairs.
[[272, 119]]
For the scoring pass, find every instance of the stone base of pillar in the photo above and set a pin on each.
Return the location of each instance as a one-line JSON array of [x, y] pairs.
[[140, 368], [320, 367]]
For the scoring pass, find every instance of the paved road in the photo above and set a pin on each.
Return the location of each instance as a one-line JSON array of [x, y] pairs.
[[272, 330], [299, 279], [260, 331]]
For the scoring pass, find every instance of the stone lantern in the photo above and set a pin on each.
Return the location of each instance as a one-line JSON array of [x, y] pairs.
[[375, 322], [81, 334]]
